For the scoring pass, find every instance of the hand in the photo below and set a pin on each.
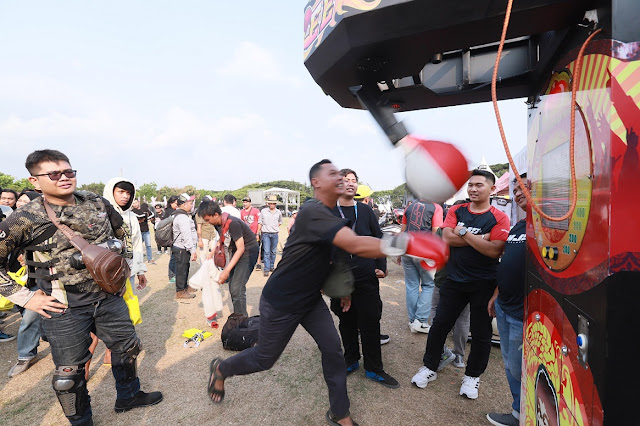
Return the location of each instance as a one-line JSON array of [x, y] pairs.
[[41, 303], [142, 282], [457, 229], [398, 260], [200, 243], [345, 303], [491, 307], [194, 256], [380, 273], [21, 260], [223, 276]]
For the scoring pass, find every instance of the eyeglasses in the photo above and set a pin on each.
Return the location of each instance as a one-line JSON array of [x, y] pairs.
[[58, 174]]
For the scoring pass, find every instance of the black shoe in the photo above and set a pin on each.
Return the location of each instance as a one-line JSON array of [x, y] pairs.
[[265, 272], [141, 399], [383, 378], [384, 339], [258, 266]]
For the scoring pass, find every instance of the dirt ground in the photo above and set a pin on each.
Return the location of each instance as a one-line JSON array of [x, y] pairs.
[[293, 392]]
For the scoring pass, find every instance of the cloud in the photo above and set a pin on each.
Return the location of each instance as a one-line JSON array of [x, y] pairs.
[[256, 63]]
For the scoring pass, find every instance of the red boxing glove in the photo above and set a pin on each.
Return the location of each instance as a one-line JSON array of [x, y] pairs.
[[422, 245]]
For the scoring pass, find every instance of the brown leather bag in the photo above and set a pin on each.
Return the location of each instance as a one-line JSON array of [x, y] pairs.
[[219, 258], [108, 269]]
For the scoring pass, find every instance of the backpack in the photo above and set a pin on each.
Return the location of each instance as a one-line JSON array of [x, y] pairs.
[[240, 332], [164, 230]]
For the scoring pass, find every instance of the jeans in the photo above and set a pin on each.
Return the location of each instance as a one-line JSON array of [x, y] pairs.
[[68, 333], [419, 286], [454, 296], [460, 330], [183, 262], [364, 317], [146, 237], [238, 278], [276, 329], [269, 244], [510, 330], [172, 264], [29, 335]]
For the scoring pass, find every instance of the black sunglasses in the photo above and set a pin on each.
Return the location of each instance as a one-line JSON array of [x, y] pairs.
[[58, 174]]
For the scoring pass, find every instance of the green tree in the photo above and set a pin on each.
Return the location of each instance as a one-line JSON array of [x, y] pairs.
[[21, 184], [148, 190], [6, 181], [96, 188]]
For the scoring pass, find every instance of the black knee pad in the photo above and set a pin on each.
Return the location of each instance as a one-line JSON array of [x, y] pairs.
[[127, 360], [71, 389]]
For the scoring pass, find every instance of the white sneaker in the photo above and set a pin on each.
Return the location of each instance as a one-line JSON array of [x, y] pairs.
[[419, 327], [470, 387], [459, 361], [424, 376]]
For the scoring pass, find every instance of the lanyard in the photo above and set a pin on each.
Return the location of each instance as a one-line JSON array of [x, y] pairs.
[[355, 206]]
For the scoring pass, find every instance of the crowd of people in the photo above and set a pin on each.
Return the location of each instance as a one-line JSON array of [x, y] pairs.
[[62, 303]]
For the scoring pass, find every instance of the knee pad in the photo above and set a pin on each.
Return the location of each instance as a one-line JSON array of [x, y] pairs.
[[71, 389], [128, 359]]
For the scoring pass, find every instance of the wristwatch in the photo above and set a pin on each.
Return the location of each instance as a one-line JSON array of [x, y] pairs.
[[462, 231]]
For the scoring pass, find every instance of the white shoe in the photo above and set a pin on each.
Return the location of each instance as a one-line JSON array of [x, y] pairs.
[[424, 376], [470, 387], [419, 327]]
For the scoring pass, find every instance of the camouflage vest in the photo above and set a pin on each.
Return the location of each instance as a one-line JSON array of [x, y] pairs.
[[49, 263]]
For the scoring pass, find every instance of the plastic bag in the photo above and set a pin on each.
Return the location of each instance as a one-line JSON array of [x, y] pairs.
[[132, 303], [21, 278], [206, 278]]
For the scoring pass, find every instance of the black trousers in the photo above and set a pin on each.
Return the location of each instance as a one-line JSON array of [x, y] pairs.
[[363, 316], [276, 329], [454, 296], [183, 261]]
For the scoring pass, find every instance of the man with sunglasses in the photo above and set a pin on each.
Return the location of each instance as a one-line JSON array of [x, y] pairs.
[[68, 299]]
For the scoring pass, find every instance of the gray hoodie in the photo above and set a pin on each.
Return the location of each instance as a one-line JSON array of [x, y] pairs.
[[133, 242]]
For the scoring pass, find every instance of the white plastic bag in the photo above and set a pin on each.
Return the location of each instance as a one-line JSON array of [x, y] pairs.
[[206, 278]]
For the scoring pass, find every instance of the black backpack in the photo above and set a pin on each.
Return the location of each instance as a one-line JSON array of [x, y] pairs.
[[164, 230], [240, 332]]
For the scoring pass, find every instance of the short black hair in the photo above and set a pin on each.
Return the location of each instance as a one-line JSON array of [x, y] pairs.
[[522, 175], [36, 157], [345, 172], [208, 208], [316, 168], [229, 199], [15, 193], [487, 175], [127, 186], [172, 200]]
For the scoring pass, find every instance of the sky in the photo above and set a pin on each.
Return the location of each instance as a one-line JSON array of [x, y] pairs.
[[197, 92]]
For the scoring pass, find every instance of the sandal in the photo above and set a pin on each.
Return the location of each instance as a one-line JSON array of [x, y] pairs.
[[213, 377], [333, 420]]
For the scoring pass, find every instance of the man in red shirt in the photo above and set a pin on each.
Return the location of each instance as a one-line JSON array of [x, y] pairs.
[[476, 233], [250, 214]]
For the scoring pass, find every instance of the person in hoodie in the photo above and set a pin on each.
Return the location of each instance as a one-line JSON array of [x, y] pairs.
[[120, 193]]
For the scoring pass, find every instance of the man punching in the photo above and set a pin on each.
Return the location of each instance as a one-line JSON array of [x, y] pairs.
[[70, 302]]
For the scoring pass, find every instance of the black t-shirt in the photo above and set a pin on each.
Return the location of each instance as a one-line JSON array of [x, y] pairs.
[[168, 212], [295, 284], [239, 229], [466, 263], [365, 224], [511, 272], [143, 215]]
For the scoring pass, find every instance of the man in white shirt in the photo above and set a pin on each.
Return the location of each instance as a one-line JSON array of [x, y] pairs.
[[269, 226], [185, 244]]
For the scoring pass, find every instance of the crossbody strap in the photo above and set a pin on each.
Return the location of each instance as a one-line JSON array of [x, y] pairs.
[[75, 239]]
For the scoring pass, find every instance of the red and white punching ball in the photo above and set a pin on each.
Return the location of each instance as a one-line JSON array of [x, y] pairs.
[[434, 170]]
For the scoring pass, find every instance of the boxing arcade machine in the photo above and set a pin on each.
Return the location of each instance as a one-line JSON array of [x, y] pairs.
[[583, 272]]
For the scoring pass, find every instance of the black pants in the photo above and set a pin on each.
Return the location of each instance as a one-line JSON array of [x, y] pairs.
[[183, 262], [454, 296], [364, 316], [276, 329]]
